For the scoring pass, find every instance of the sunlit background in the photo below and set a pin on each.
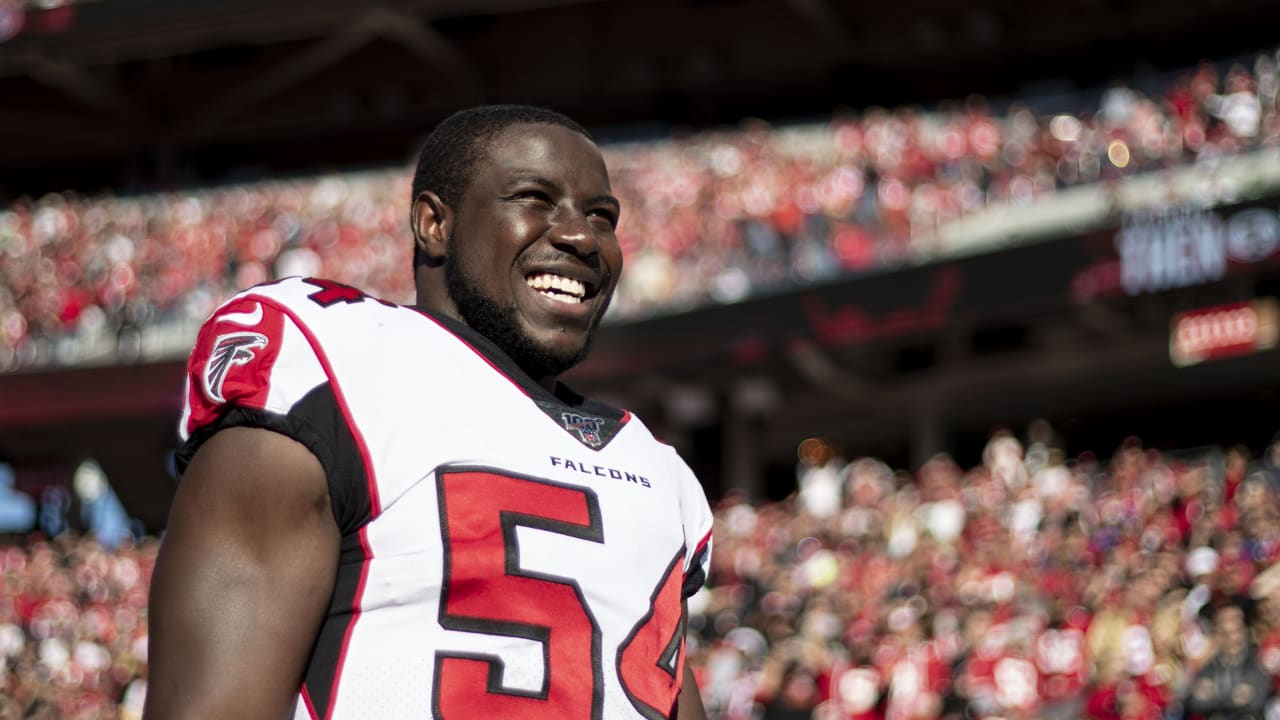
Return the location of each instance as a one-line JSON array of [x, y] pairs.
[[964, 312]]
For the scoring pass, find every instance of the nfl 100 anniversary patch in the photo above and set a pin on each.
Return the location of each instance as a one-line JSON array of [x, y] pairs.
[[592, 429], [588, 428]]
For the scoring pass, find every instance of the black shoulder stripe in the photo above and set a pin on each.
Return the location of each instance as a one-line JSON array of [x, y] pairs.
[[339, 453], [317, 422], [237, 417]]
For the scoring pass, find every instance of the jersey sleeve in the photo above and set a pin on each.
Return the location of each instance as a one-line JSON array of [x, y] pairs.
[[254, 366], [697, 519]]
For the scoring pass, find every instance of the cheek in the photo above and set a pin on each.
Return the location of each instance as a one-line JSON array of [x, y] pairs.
[[611, 251], [518, 230], [501, 247]]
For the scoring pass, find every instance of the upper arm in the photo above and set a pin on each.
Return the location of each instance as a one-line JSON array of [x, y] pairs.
[[243, 579], [689, 702], [689, 706]]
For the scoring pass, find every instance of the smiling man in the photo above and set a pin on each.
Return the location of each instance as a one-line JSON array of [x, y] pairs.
[[400, 512], [538, 301]]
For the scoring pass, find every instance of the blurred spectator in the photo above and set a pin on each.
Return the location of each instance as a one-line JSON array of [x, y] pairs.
[[1233, 685], [1269, 467]]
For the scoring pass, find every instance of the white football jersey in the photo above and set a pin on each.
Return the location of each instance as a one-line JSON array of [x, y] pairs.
[[508, 552]]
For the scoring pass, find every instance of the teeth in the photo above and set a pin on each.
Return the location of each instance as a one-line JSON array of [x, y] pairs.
[[558, 287], [567, 299]]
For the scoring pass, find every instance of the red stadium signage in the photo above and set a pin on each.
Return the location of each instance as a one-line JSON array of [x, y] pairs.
[[1223, 331]]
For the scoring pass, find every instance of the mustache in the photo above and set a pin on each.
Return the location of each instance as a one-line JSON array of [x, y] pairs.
[[554, 257]]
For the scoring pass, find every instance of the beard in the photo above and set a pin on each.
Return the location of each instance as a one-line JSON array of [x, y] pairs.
[[498, 323]]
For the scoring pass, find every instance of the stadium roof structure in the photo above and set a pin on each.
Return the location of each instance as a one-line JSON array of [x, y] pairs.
[[114, 93]]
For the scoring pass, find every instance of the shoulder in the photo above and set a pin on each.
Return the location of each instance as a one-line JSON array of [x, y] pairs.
[[269, 346], [307, 295], [320, 311], [691, 492], [668, 451]]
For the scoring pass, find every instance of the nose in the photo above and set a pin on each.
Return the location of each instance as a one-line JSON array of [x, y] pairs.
[[572, 233]]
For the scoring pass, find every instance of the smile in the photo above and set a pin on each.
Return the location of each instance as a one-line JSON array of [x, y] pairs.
[[558, 287]]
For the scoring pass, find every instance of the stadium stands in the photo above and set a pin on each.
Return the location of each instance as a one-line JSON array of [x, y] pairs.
[[73, 628], [715, 217], [1027, 587], [1031, 585]]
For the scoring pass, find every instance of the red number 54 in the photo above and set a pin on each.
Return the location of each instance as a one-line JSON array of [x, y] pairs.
[[486, 591]]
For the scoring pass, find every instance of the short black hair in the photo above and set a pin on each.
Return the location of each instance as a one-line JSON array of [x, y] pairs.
[[449, 155]]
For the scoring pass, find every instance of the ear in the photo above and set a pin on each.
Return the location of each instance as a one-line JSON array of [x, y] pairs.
[[432, 224]]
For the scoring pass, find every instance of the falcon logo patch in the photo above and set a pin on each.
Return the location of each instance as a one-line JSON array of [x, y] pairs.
[[230, 349], [588, 428]]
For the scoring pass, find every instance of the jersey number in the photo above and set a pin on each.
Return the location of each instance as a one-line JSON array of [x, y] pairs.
[[332, 293], [486, 591]]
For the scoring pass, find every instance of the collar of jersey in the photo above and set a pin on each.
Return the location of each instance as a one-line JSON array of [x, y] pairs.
[[563, 396]]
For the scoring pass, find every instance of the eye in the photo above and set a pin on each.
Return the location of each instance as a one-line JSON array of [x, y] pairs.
[[532, 195], [609, 215]]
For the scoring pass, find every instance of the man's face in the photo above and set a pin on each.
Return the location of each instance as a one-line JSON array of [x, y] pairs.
[[533, 258], [1233, 635]]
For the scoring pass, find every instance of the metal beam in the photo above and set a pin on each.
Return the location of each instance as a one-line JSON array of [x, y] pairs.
[[184, 28], [429, 45], [65, 77], [310, 61]]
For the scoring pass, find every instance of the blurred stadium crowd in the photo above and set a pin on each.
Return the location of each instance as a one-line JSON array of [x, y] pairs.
[[712, 217], [73, 628], [1144, 587]]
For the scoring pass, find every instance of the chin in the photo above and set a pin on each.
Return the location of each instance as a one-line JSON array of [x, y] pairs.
[[540, 351], [543, 359]]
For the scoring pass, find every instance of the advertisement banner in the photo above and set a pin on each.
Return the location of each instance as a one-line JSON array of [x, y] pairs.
[[1222, 331]]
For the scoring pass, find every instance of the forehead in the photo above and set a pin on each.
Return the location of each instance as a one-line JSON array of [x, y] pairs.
[[548, 151]]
